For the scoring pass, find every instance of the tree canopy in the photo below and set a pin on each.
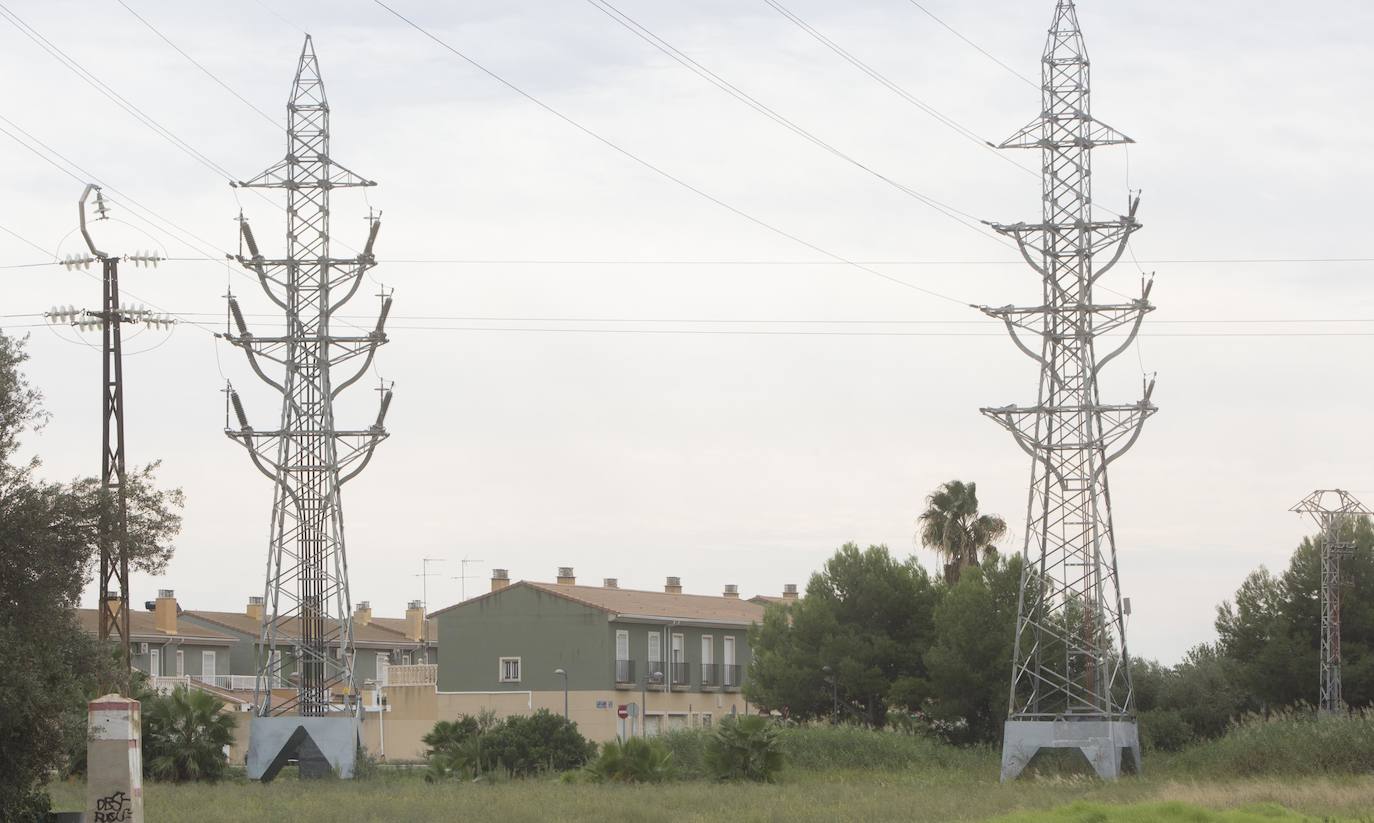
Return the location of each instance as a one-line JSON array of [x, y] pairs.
[[48, 545]]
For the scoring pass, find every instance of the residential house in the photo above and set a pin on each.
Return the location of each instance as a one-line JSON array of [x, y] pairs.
[[169, 648], [666, 659], [376, 645]]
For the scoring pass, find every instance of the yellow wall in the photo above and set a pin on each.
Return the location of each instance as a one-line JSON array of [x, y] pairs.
[[413, 711]]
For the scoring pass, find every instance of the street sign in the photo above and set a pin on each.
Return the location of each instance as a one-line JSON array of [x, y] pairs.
[[623, 711]]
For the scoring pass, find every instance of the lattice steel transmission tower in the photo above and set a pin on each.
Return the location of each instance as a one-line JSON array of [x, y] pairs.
[[306, 643], [1071, 683], [1336, 512]]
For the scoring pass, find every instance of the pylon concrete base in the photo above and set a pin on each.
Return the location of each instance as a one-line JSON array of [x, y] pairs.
[[1109, 745], [320, 745]]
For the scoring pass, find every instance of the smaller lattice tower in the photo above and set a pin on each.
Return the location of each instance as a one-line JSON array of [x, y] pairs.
[[1336, 512], [1071, 679]]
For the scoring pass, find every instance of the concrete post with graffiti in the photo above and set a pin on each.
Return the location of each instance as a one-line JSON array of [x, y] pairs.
[[114, 761]]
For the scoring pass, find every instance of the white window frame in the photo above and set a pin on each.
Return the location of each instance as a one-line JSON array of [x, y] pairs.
[[622, 644], [708, 650], [208, 656], [501, 670], [729, 660], [155, 662], [383, 664], [181, 663], [679, 648], [655, 648]]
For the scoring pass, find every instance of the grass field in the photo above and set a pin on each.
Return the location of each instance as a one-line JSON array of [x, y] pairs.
[[1283, 770], [866, 796]]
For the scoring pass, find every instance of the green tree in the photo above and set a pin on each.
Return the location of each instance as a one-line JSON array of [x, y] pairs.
[[867, 618], [953, 527], [184, 736], [48, 543], [969, 663]]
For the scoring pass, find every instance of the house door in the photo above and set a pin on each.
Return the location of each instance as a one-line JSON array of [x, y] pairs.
[[155, 662], [207, 667]]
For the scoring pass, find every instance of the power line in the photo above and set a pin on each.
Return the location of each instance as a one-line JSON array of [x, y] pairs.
[[1014, 73], [198, 65], [109, 93], [650, 166], [22, 238], [637, 29]]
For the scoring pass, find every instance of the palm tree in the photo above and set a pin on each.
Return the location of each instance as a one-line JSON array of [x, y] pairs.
[[952, 526], [185, 734]]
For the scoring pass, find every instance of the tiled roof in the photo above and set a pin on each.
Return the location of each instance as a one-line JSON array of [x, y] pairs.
[[401, 625], [636, 603], [371, 634], [143, 626]]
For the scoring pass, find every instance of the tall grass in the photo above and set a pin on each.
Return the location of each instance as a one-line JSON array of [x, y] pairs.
[[841, 748], [1290, 743]]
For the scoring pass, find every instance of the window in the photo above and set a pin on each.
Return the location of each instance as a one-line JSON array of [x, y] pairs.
[[678, 653], [207, 666], [155, 662], [622, 645], [181, 663], [708, 650], [730, 676], [706, 721], [383, 663], [510, 670], [655, 647]]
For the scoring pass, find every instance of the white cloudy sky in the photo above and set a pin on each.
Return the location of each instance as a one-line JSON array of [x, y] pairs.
[[720, 458]]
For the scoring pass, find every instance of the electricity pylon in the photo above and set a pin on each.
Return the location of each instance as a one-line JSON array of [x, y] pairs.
[[1071, 683], [1336, 512], [308, 610], [113, 524]]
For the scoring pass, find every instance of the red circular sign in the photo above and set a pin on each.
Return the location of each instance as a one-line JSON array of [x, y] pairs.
[[623, 711]]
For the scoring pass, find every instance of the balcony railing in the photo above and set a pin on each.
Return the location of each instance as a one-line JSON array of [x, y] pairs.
[[682, 674], [229, 682], [732, 675], [710, 675], [164, 684], [419, 674], [624, 671]]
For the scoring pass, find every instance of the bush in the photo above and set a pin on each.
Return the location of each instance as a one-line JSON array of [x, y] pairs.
[[744, 748], [1164, 730], [184, 736], [1289, 743], [469, 747], [635, 760]]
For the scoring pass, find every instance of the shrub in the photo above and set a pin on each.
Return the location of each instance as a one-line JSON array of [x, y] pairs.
[[1288, 743], [1164, 730], [184, 736], [523, 745], [744, 748], [635, 760]]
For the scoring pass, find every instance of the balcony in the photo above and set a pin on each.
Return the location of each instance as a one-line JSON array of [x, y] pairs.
[[732, 676], [682, 674], [710, 675], [228, 682], [419, 674], [624, 673]]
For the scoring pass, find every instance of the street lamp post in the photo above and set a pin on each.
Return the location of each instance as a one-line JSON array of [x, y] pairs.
[[564, 674]]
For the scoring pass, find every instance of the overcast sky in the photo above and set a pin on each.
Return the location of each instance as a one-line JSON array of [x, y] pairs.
[[719, 458]]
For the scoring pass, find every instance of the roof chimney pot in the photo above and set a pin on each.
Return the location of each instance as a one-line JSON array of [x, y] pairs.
[[673, 586], [610, 583], [500, 578], [565, 576], [732, 591]]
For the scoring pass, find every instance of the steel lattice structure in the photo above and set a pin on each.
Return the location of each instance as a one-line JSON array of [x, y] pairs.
[[308, 611], [1070, 662], [1336, 512]]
